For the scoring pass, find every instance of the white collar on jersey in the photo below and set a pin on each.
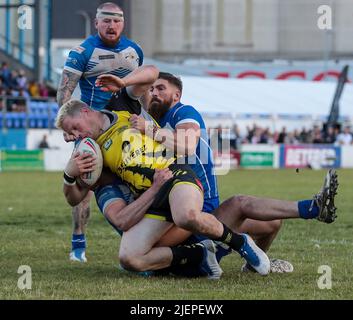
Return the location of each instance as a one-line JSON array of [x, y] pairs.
[[109, 120]]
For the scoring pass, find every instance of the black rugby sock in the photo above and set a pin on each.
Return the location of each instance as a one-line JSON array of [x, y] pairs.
[[187, 255], [232, 239]]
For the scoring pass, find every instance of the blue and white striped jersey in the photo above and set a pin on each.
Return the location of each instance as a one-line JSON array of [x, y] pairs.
[[93, 58]]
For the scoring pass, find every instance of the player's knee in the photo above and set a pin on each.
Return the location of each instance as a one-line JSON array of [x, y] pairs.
[[127, 263], [188, 220], [131, 262], [272, 227], [276, 225], [84, 205], [81, 207], [242, 202]]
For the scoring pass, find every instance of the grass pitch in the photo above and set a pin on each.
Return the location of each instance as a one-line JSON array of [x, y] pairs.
[[35, 230]]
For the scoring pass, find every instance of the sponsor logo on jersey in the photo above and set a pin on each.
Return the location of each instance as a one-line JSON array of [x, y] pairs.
[[79, 49], [108, 144], [72, 60], [106, 57], [132, 154]]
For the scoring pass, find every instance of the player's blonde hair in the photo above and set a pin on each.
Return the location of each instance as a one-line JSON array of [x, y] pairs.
[[69, 109]]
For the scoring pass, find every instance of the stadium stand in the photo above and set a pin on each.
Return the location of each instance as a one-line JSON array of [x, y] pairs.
[[23, 103]]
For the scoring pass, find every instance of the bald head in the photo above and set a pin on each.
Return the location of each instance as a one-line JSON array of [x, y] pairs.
[[109, 5], [109, 9], [109, 23]]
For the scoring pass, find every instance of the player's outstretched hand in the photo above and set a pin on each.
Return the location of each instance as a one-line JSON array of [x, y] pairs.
[[109, 82], [80, 164], [161, 176]]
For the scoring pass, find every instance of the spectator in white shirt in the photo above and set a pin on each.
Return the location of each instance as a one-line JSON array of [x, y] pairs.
[[345, 137]]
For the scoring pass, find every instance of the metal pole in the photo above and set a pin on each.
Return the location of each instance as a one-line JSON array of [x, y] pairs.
[[21, 39], [37, 61], [7, 28], [49, 36], [87, 19]]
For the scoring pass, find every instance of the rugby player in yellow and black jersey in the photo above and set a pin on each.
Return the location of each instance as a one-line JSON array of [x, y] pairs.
[[139, 253], [134, 157]]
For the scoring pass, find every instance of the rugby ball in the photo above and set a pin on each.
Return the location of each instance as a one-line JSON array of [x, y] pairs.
[[88, 145]]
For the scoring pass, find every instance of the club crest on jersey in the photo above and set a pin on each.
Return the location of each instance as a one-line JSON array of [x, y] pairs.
[[108, 144], [132, 56], [79, 49]]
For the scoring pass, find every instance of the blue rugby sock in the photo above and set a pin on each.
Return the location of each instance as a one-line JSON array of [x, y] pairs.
[[78, 241], [304, 209]]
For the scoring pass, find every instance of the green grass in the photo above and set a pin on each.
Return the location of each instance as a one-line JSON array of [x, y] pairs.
[[35, 230]]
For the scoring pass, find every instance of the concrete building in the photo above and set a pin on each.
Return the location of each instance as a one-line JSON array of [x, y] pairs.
[[176, 30], [243, 29]]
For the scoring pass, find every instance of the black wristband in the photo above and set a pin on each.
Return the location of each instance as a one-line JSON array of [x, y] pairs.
[[68, 179]]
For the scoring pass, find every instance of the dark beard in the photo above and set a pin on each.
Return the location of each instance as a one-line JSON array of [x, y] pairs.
[[157, 110]]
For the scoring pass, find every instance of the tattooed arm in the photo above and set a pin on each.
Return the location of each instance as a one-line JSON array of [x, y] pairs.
[[68, 83]]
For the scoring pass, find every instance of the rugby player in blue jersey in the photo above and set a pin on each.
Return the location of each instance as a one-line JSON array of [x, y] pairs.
[[106, 52], [183, 130]]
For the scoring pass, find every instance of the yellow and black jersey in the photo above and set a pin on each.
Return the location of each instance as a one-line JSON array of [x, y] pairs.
[[130, 154], [123, 101]]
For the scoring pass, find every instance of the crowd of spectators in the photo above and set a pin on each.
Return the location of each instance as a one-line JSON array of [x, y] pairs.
[[338, 135], [16, 85]]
